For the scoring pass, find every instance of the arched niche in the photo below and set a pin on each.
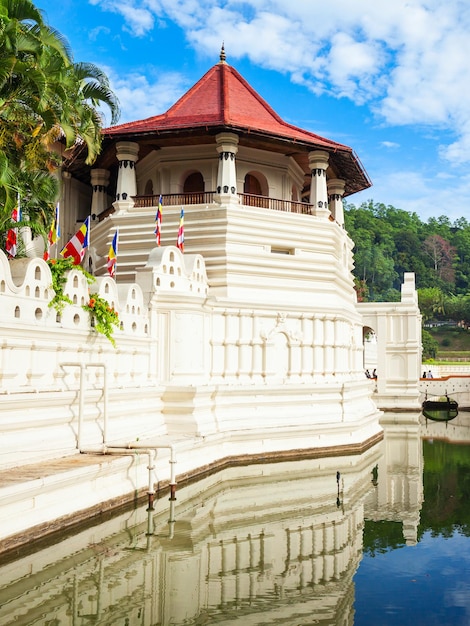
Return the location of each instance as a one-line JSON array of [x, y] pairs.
[[255, 184], [148, 191], [193, 182]]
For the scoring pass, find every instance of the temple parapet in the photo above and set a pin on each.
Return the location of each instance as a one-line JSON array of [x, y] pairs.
[[26, 292], [167, 269]]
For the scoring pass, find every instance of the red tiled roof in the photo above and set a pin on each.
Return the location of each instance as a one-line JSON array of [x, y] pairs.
[[223, 100], [222, 97]]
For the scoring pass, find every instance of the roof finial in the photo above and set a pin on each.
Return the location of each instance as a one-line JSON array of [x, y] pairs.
[[222, 54]]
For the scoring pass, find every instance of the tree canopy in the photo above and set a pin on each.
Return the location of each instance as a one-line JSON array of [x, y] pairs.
[[389, 242], [48, 104]]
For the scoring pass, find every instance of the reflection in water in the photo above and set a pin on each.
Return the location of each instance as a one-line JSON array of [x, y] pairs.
[[441, 413], [427, 583], [270, 543]]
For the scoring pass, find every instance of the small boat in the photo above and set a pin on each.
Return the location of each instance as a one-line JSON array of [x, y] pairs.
[[441, 410]]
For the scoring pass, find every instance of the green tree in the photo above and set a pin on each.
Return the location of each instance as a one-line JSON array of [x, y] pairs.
[[441, 226], [373, 250], [46, 100], [23, 39], [461, 263], [389, 242], [431, 302], [429, 345], [458, 308]]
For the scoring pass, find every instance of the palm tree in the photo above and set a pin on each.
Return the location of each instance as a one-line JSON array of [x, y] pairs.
[[23, 39], [45, 98], [81, 121]]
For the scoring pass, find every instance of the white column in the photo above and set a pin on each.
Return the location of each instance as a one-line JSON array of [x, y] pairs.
[[244, 347], [318, 347], [329, 346], [318, 163], [126, 188], [339, 352], [257, 353], [307, 347], [99, 184], [227, 147], [231, 350], [335, 188]]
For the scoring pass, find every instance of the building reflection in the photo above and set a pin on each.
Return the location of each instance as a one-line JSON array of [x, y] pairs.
[[399, 484], [269, 543]]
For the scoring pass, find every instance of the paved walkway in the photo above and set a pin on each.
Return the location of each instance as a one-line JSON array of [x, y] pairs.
[[26, 473]]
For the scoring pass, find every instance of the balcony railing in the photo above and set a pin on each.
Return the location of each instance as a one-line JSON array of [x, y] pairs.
[[175, 199], [207, 197], [274, 204]]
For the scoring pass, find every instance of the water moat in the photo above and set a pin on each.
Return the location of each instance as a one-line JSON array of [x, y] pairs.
[[377, 538]]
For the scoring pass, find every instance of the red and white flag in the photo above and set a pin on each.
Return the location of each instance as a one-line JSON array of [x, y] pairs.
[[180, 239]]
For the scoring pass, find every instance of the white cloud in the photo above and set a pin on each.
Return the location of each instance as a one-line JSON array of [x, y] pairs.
[[418, 192], [407, 59], [100, 31], [139, 20], [140, 98], [352, 64], [458, 151]]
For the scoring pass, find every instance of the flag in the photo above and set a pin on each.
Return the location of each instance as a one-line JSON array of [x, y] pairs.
[[54, 234], [11, 244], [158, 221], [76, 247], [112, 255], [180, 239]]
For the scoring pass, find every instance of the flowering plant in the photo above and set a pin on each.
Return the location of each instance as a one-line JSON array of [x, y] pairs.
[[59, 269], [103, 316]]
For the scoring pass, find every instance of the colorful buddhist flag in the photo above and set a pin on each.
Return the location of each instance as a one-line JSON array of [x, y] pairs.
[[180, 239], [54, 234], [11, 244], [158, 221], [112, 255], [76, 247]]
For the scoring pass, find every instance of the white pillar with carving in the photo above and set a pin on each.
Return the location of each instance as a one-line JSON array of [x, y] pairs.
[[335, 188], [227, 147], [99, 184], [126, 188], [318, 163]]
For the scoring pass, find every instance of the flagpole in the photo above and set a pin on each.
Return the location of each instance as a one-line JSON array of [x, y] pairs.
[[18, 219], [180, 236], [57, 229], [116, 253], [112, 255]]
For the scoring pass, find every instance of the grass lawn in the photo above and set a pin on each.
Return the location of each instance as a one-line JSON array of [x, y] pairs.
[[454, 343]]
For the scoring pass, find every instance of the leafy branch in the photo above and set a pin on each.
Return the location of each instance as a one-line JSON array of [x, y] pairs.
[[103, 317], [59, 269]]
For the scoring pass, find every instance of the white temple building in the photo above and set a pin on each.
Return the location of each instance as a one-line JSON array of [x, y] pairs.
[[248, 344]]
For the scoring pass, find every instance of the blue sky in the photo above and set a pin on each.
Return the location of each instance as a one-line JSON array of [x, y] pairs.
[[389, 78]]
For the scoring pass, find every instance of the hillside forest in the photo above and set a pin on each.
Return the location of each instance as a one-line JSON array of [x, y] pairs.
[[390, 241]]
